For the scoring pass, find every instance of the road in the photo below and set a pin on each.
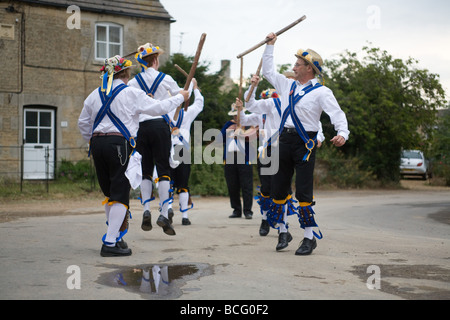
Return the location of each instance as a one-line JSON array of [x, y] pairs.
[[377, 245]]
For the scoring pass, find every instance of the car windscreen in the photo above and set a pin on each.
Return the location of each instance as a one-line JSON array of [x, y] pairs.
[[411, 154]]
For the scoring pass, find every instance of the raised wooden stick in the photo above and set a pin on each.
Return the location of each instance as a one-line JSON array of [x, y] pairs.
[[250, 92], [130, 54], [191, 73], [181, 70], [267, 40], [238, 120]]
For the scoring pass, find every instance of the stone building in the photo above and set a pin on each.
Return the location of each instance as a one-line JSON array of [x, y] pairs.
[[52, 51]]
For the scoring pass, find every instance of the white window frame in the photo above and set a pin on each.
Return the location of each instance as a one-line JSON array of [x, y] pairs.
[[108, 25]]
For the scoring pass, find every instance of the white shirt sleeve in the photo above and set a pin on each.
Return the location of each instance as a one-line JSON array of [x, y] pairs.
[[261, 106], [153, 107], [278, 81], [252, 119], [85, 122], [337, 116], [197, 107]]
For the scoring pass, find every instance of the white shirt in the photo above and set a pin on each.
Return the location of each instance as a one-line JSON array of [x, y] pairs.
[[127, 106], [273, 118], [261, 107], [310, 107], [167, 88], [189, 117]]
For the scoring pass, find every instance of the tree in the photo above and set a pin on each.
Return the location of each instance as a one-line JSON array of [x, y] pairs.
[[440, 150], [390, 104]]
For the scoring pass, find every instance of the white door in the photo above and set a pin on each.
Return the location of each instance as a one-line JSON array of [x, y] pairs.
[[39, 145]]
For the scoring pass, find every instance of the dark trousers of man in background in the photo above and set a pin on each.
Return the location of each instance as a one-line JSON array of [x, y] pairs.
[[239, 177]]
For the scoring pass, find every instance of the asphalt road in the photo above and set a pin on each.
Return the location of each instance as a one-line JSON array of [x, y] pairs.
[[377, 245]]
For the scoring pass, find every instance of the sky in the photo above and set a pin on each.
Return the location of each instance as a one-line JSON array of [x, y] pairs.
[[416, 29]]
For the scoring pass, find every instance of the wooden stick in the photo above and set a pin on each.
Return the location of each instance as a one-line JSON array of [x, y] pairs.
[[267, 40], [238, 120], [130, 54], [241, 78], [250, 92], [191, 73], [181, 70]]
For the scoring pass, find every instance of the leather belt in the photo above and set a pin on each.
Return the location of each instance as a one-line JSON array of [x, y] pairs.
[[289, 130], [292, 130], [101, 134]]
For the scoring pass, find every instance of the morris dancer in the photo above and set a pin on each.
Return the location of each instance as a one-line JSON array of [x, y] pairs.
[[180, 142], [154, 136], [302, 102], [268, 109], [109, 121]]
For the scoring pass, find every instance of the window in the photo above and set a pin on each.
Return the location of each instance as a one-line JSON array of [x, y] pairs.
[[108, 40], [38, 126]]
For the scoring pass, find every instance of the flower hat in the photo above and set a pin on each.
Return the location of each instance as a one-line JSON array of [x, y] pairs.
[[146, 50], [269, 93], [311, 57], [110, 68]]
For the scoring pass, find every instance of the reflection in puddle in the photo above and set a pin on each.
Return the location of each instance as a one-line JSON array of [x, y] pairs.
[[154, 281]]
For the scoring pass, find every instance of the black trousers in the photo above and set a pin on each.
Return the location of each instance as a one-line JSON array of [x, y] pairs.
[[180, 175], [291, 150], [154, 143], [111, 155], [239, 177]]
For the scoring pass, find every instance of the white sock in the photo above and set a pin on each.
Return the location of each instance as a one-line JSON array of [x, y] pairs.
[[308, 233], [184, 199], [107, 209], [165, 274], [156, 276], [145, 283], [163, 192], [283, 226], [264, 214], [146, 192], [116, 215]]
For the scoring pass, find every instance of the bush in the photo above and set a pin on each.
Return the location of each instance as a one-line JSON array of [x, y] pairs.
[[332, 168], [441, 168], [208, 180], [79, 171]]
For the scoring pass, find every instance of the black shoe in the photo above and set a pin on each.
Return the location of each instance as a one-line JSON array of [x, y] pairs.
[[122, 244], [283, 240], [306, 247], [146, 221], [170, 212], [115, 251], [264, 228], [164, 223], [248, 215], [235, 215], [185, 222]]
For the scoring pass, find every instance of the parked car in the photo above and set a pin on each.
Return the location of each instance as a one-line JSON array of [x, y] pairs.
[[413, 162]]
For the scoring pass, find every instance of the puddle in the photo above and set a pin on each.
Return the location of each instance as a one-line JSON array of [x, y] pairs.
[[154, 281]]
